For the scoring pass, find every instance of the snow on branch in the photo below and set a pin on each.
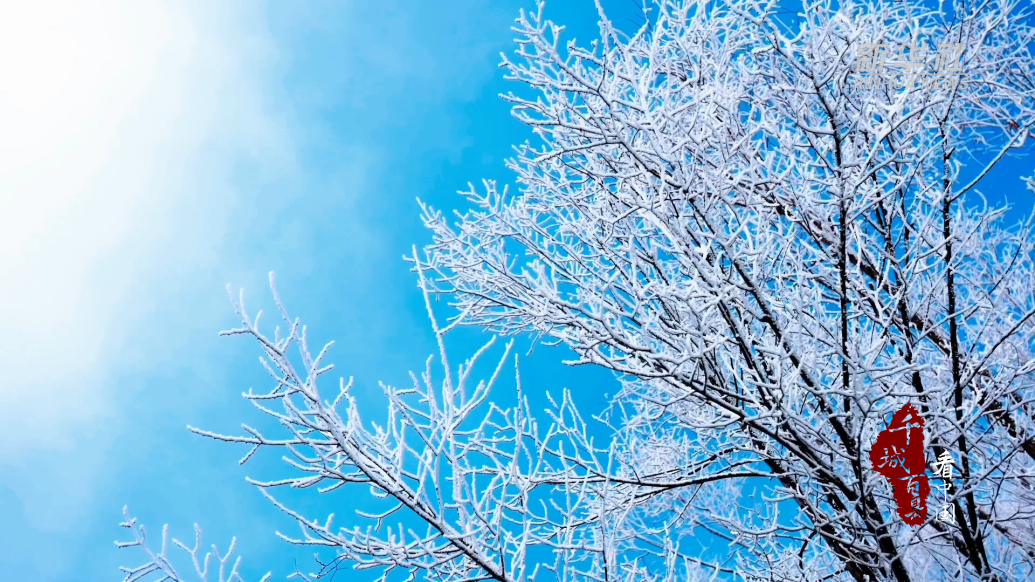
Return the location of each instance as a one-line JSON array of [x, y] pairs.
[[462, 486], [777, 255], [772, 255], [210, 568]]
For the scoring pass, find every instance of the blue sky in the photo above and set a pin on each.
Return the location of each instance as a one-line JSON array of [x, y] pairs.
[[152, 155]]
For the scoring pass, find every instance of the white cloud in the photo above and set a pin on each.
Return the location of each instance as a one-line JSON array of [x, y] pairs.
[[120, 127]]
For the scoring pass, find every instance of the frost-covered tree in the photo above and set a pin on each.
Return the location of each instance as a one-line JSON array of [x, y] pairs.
[[773, 258]]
